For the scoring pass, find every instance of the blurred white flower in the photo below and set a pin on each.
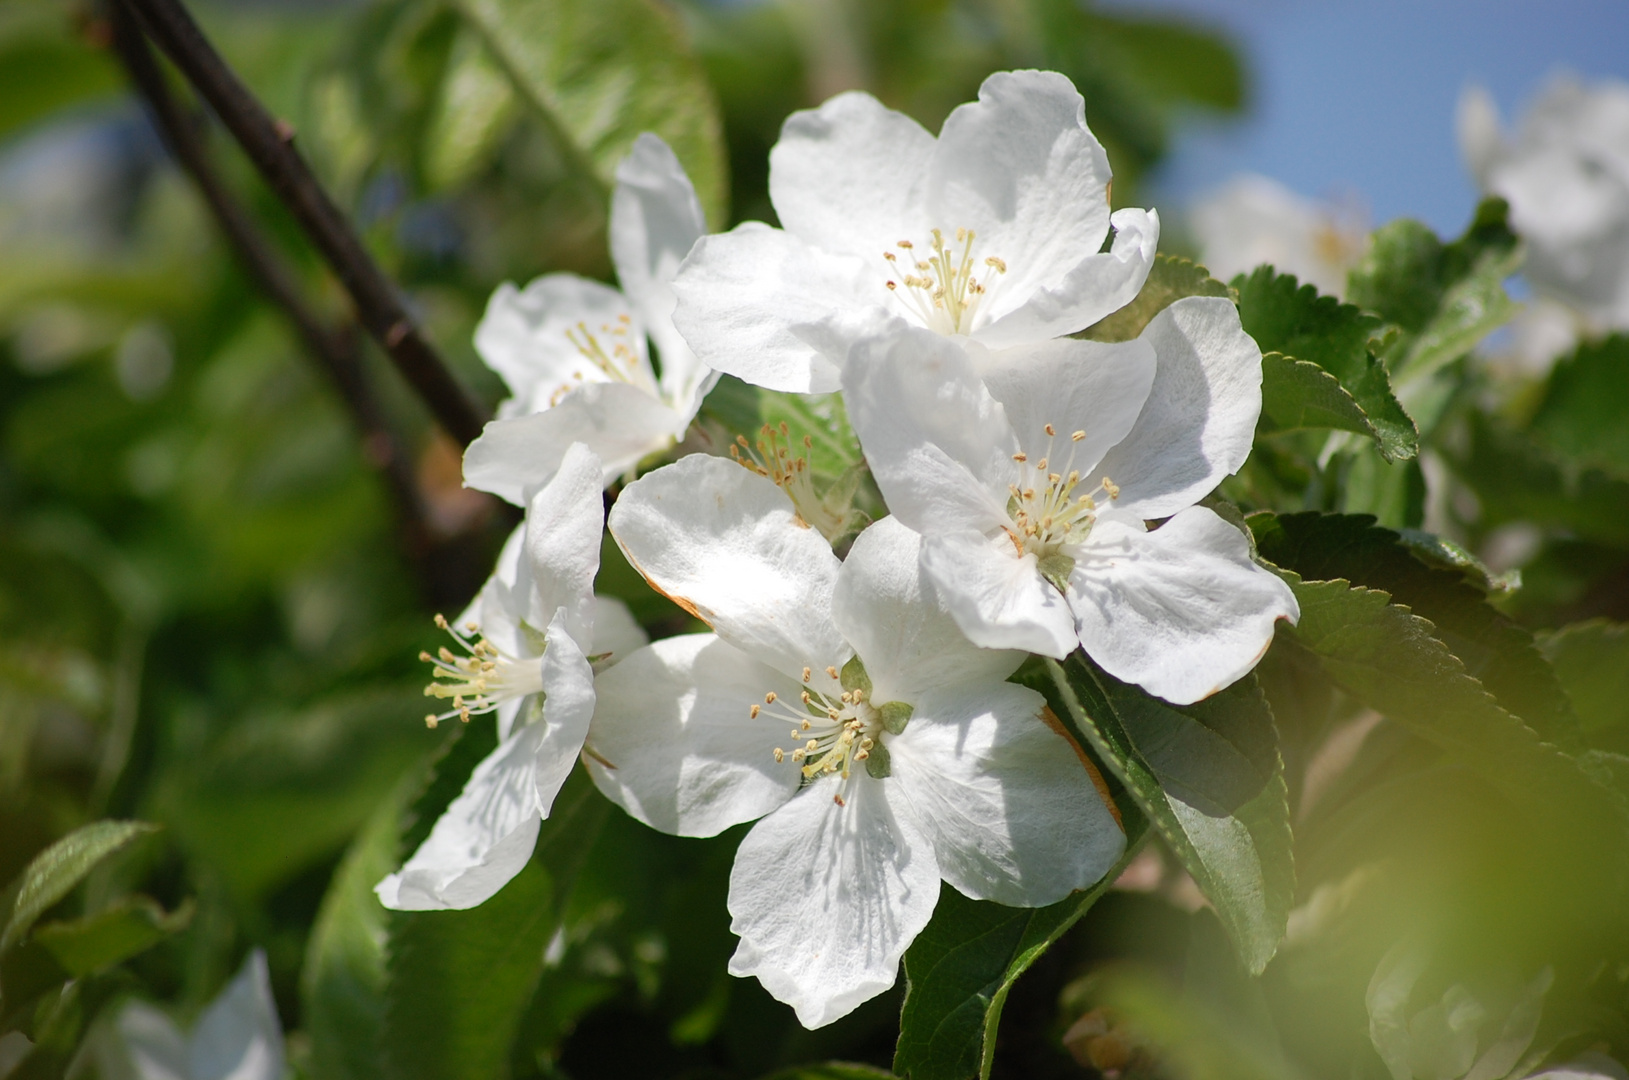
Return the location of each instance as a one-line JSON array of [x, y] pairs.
[[909, 760], [993, 230], [1565, 173], [1254, 220], [527, 641], [238, 1037], [573, 352], [1032, 474]]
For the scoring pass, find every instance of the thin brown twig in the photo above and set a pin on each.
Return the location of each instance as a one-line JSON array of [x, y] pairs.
[[269, 144], [335, 350]]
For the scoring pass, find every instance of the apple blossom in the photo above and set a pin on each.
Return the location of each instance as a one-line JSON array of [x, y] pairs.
[[1032, 487], [993, 230], [1254, 220], [840, 703], [573, 351], [238, 1037], [1565, 173], [528, 638]]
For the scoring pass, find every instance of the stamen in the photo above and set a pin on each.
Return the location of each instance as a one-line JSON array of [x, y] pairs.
[[479, 681]]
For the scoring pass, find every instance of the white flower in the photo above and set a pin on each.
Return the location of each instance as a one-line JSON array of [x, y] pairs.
[[992, 230], [1032, 486], [1565, 173], [238, 1037], [526, 640], [573, 351], [841, 701], [1254, 220]]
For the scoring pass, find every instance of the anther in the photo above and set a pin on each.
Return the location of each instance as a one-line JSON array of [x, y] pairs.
[[1077, 436], [755, 710], [769, 698], [1050, 430], [1020, 457], [832, 671]]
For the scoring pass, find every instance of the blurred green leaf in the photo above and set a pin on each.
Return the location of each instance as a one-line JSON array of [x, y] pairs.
[[962, 966], [471, 116], [1591, 660], [1581, 416], [1192, 1037], [1287, 317], [1209, 777], [132, 925], [831, 1070], [43, 69], [342, 982], [1169, 280], [460, 981], [283, 790], [56, 870], [1494, 649], [600, 72], [1444, 297]]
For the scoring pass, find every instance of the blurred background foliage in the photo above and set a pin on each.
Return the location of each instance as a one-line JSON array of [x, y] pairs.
[[209, 609]]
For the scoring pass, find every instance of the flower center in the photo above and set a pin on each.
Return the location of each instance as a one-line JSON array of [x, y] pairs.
[[772, 457], [1049, 512], [480, 680], [941, 288], [831, 734], [620, 364]]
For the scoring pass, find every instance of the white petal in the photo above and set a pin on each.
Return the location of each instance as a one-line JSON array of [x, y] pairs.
[[938, 444], [997, 597], [482, 840], [568, 707], [1021, 169], [1013, 814], [655, 220], [1087, 386], [827, 898], [145, 1045], [1201, 413], [500, 607], [1181, 611], [725, 544], [562, 548], [764, 306], [239, 1037], [619, 422], [616, 631], [524, 336], [674, 742], [1476, 123], [897, 624], [847, 176], [1098, 285]]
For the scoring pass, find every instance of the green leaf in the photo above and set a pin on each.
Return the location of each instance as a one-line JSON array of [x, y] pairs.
[[1585, 401], [1518, 479], [1390, 659], [1289, 318], [1299, 394], [961, 967], [1494, 649], [460, 981], [56, 870], [1170, 279], [132, 925], [472, 115], [600, 72], [1444, 297], [342, 982], [1209, 777], [1591, 659]]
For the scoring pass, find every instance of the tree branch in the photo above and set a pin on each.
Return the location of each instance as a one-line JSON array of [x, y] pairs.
[[335, 350], [269, 145]]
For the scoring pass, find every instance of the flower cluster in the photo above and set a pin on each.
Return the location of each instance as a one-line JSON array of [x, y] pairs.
[[1042, 495]]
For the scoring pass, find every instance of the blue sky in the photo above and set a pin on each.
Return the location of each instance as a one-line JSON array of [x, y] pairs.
[[1358, 97]]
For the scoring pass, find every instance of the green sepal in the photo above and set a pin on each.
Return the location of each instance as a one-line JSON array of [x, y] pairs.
[[878, 764], [853, 676], [895, 715]]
